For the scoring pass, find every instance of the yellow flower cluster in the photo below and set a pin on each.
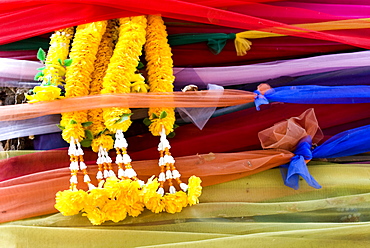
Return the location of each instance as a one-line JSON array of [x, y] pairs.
[[105, 52], [122, 68], [78, 76], [54, 72], [44, 93], [138, 84], [171, 203], [194, 190], [160, 73], [103, 140], [114, 72], [70, 202], [58, 50], [119, 198]]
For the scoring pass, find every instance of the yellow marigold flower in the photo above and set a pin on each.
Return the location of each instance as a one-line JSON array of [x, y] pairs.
[[96, 198], [152, 200], [44, 93], [126, 193], [73, 130], [114, 211], [194, 190], [113, 187], [156, 123], [112, 119], [70, 202], [155, 203], [95, 216], [138, 84], [174, 203], [134, 199], [105, 141]]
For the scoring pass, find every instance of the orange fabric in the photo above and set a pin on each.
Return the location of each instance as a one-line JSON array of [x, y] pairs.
[[34, 194], [285, 134], [190, 99]]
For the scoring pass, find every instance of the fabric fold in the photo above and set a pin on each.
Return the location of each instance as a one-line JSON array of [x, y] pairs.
[[297, 166]]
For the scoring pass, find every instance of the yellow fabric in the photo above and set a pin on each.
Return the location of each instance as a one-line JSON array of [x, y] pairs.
[[255, 211], [242, 45]]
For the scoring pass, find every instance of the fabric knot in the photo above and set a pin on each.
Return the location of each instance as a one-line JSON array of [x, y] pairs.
[[298, 167], [259, 99], [231, 36]]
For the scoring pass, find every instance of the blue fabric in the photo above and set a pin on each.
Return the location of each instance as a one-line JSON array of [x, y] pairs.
[[297, 166], [259, 100], [350, 76], [314, 94], [346, 143]]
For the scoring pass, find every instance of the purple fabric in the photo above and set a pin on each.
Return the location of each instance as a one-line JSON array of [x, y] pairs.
[[237, 75]]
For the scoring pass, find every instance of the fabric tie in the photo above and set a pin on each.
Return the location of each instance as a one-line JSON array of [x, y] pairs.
[[297, 166], [259, 99], [217, 44]]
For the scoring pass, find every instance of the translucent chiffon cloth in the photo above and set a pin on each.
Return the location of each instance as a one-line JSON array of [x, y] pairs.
[[129, 100], [213, 168], [246, 74], [254, 211], [20, 20], [320, 94], [216, 137]]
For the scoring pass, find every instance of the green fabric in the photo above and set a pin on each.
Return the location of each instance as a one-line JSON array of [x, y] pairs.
[[255, 211], [215, 41], [9, 154], [33, 43]]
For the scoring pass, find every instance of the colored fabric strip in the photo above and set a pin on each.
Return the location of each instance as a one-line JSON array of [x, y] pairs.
[[346, 143], [215, 42], [246, 74], [12, 16], [214, 138], [320, 94], [237, 199], [131, 100]]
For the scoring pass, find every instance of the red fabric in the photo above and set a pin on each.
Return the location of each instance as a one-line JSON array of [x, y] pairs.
[[238, 131], [262, 50], [21, 55], [21, 19], [229, 133]]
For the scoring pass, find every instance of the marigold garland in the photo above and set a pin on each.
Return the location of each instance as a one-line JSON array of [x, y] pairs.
[[122, 68], [58, 51], [116, 197], [160, 73], [105, 52], [54, 71], [78, 76], [160, 78]]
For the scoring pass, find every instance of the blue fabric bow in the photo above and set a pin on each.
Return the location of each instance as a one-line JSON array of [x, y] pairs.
[[297, 166], [259, 100]]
